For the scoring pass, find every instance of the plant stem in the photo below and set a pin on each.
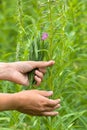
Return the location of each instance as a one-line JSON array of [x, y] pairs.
[[50, 41], [20, 28]]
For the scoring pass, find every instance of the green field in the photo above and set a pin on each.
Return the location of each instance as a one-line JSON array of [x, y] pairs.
[[22, 23]]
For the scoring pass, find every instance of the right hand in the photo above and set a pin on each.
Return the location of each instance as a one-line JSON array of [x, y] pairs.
[[36, 103], [18, 71]]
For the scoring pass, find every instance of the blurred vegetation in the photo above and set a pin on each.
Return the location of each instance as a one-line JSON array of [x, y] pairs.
[[8, 28], [22, 23]]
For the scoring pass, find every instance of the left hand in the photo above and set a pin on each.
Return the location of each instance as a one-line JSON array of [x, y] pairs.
[[17, 71]]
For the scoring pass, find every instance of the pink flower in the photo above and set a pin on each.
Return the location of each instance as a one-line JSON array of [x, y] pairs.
[[44, 36]]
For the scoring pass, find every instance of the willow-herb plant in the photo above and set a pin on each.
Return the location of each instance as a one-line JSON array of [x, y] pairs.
[[40, 43], [38, 47]]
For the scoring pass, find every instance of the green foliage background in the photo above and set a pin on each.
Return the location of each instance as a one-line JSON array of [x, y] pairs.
[[22, 23]]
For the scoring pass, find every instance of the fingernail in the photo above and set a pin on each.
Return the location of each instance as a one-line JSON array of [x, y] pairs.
[[51, 92], [59, 105], [52, 61], [59, 100]]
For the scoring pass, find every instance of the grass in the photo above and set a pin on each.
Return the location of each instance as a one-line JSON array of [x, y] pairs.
[[22, 25]]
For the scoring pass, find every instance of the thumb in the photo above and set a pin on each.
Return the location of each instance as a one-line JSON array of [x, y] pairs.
[[42, 64], [46, 93]]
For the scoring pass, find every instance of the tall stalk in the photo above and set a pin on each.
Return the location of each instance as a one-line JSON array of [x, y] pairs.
[[51, 29], [50, 40], [20, 28]]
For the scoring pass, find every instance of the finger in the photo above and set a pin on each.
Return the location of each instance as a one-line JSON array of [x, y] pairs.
[[46, 93], [39, 74], [53, 102], [49, 113], [48, 109], [43, 70], [52, 108], [56, 107], [38, 80], [41, 64]]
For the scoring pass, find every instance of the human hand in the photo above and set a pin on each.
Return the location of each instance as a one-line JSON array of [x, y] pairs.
[[36, 103], [18, 71]]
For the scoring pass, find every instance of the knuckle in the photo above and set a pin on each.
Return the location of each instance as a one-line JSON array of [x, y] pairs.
[[42, 105], [51, 102], [42, 108], [39, 81], [41, 75]]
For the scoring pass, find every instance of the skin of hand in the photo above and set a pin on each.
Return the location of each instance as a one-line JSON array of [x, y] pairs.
[[18, 71], [32, 102]]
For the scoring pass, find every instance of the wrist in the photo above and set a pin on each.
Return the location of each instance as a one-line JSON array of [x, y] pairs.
[[7, 102]]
